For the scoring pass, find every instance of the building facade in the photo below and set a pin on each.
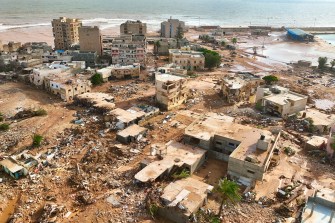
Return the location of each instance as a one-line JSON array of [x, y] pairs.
[[169, 28], [239, 87], [280, 101], [133, 28], [90, 39], [170, 90], [129, 49], [189, 60], [65, 32]]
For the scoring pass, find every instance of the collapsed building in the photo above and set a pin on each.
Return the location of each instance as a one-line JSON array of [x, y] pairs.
[[239, 87], [170, 90], [280, 101], [130, 134], [18, 165], [323, 122], [172, 156], [100, 101], [320, 207], [247, 150], [183, 198]]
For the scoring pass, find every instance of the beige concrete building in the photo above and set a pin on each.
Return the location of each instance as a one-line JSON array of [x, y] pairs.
[[280, 101], [189, 60], [248, 150], [1, 46], [239, 87], [120, 72], [170, 90], [130, 134], [67, 86], [65, 32], [169, 28], [133, 28], [90, 39], [190, 158], [183, 198], [129, 49], [172, 69]]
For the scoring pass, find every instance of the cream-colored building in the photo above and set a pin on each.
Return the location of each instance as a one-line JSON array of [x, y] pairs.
[[67, 86], [239, 87], [170, 90], [189, 60], [90, 39], [120, 72], [11, 47], [169, 28], [133, 28], [65, 32], [280, 101], [248, 150]]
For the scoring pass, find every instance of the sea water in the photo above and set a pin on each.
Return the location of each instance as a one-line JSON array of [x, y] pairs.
[[110, 13]]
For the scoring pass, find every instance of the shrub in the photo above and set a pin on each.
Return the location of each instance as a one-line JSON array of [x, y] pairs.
[[37, 140], [4, 127], [322, 62], [40, 112], [183, 174], [1, 117], [270, 79], [96, 79], [153, 209]]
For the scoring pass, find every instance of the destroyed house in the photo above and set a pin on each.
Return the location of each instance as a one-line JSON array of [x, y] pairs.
[[280, 101], [170, 90], [239, 87], [130, 134], [18, 165], [183, 198], [100, 101], [172, 156], [123, 118], [14, 169], [248, 150]]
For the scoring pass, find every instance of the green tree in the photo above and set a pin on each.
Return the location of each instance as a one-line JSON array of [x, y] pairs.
[[179, 35], [223, 43], [234, 40], [229, 191], [96, 79], [1, 117], [37, 140], [322, 62], [332, 63], [270, 79], [157, 44], [212, 58]]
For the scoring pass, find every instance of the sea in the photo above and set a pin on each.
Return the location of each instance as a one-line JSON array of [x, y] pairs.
[[110, 13]]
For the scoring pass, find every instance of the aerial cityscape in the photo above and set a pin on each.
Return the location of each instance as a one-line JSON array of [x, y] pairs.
[[180, 111]]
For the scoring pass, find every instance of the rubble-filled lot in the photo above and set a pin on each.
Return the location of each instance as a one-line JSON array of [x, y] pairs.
[[91, 176]]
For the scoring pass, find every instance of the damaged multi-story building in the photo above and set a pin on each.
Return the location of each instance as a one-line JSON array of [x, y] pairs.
[[239, 87], [280, 101], [120, 72], [248, 150], [170, 90]]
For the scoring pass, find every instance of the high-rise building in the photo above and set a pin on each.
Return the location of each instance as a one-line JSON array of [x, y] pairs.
[[169, 28], [90, 39], [65, 32], [133, 28]]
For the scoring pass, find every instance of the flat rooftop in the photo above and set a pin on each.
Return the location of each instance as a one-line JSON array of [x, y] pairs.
[[99, 100], [189, 193], [126, 116], [177, 154], [133, 131], [317, 141], [168, 77], [284, 98], [207, 127], [320, 118], [234, 82], [11, 165]]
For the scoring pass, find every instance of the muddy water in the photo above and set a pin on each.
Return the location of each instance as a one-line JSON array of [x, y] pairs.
[[9, 210]]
